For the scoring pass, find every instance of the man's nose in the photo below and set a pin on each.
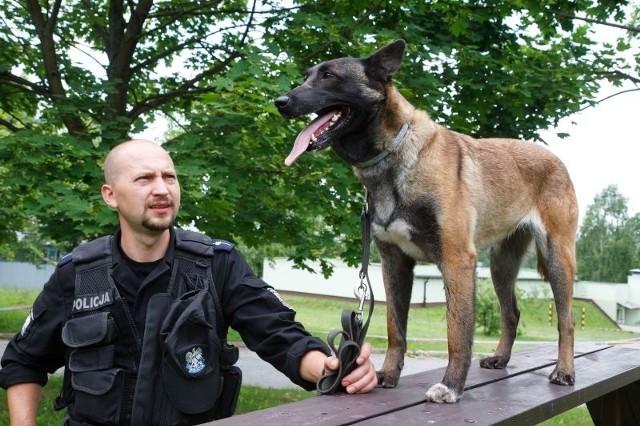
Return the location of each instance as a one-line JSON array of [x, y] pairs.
[[160, 186]]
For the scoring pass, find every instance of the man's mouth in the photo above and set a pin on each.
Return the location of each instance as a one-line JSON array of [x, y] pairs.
[[317, 134], [161, 207]]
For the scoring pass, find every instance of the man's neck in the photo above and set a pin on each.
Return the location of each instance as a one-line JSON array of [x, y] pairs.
[[144, 247]]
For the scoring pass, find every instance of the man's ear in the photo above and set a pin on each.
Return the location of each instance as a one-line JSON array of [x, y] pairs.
[[108, 196]]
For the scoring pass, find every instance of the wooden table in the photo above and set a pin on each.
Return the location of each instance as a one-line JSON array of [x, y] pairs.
[[607, 379]]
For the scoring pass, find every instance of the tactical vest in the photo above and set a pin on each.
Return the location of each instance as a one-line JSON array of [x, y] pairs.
[[181, 373]]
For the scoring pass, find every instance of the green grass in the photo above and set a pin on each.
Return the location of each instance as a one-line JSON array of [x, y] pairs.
[[11, 321], [426, 332]]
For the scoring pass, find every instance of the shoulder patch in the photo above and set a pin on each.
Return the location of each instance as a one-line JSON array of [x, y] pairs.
[[26, 325], [275, 293], [222, 245]]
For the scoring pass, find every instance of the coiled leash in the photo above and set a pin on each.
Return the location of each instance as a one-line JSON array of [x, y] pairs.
[[353, 330]]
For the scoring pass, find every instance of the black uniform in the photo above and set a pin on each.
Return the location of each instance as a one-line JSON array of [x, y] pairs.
[[250, 306]]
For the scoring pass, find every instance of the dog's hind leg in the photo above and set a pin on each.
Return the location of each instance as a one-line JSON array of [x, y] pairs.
[[397, 273], [506, 257], [556, 262]]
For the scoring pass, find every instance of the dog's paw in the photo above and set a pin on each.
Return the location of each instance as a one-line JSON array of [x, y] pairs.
[[494, 362], [440, 393], [386, 380], [562, 378]]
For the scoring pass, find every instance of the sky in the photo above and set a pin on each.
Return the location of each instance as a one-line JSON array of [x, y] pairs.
[[602, 149]]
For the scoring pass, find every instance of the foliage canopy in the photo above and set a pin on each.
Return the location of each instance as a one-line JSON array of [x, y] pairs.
[[77, 77]]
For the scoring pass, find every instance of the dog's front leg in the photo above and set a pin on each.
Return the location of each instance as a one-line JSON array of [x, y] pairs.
[[397, 273], [458, 271]]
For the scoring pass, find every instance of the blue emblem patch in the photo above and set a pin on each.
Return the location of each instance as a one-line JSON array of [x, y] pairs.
[[194, 361]]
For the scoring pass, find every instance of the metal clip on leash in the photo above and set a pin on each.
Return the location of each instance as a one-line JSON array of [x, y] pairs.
[[353, 330]]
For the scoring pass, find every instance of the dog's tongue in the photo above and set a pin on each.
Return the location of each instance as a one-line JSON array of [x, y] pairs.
[[304, 138]]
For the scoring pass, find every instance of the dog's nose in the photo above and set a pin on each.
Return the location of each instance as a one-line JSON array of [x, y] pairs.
[[282, 101]]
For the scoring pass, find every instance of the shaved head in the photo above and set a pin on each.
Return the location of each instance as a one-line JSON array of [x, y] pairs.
[[142, 185], [119, 155]]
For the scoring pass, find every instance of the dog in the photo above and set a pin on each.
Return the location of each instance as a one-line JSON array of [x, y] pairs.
[[440, 196]]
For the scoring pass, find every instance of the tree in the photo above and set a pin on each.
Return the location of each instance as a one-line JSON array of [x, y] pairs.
[[76, 77], [608, 240]]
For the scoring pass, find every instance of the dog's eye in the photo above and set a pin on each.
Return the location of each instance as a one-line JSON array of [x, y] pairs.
[[327, 75]]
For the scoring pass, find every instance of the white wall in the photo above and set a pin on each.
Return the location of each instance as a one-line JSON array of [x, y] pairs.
[[24, 275], [283, 277], [281, 274]]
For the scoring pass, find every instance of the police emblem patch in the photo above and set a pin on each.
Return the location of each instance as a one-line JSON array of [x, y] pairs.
[[194, 361]]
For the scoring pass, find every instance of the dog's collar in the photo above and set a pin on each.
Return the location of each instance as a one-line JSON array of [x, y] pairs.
[[396, 141]]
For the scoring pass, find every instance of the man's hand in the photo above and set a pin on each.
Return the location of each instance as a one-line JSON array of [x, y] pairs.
[[363, 378]]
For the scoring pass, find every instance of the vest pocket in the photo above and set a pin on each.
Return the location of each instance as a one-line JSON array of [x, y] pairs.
[[89, 330], [98, 395], [97, 384], [191, 354]]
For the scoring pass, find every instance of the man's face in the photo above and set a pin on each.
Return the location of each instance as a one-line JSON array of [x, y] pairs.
[[144, 189]]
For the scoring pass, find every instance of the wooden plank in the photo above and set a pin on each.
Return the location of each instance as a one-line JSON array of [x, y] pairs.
[[346, 409], [527, 398]]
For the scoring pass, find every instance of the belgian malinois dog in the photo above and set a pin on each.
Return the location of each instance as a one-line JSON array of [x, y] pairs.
[[440, 196]]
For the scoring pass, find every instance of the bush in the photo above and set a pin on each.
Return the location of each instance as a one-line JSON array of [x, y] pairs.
[[487, 308]]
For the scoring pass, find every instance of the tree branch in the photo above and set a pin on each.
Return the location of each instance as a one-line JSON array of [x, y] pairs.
[[45, 30], [186, 89], [634, 30], [9, 125], [123, 39], [24, 85], [609, 97]]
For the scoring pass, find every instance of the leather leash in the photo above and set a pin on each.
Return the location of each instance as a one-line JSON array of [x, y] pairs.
[[353, 330]]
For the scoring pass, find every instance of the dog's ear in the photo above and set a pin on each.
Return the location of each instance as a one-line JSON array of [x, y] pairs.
[[384, 63]]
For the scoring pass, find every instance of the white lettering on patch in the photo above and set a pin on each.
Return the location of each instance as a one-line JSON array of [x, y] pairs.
[[275, 293], [93, 301]]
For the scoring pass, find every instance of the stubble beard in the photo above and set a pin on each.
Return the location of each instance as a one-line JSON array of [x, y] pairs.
[[158, 224]]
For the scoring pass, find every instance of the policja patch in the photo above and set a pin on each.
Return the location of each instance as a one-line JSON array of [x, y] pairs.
[[91, 302]]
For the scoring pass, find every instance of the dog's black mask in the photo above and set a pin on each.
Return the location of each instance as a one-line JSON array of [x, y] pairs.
[[345, 93]]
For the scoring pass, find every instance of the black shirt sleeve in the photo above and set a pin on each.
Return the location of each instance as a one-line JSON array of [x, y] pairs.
[[38, 349], [265, 322]]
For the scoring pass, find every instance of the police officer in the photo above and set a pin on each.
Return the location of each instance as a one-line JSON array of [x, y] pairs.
[[142, 338]]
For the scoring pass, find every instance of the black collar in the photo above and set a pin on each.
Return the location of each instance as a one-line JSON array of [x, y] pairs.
[[396, 141]]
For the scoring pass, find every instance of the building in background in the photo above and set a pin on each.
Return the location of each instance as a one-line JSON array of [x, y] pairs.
[[619, 301]]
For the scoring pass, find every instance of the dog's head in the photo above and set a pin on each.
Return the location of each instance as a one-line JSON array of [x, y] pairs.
[[345, 93]]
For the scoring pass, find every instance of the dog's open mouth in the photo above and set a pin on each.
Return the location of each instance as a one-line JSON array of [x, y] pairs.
[[317, 135]]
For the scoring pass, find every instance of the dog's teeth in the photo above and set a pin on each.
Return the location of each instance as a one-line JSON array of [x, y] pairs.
[[336, 117], [313, 138]]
